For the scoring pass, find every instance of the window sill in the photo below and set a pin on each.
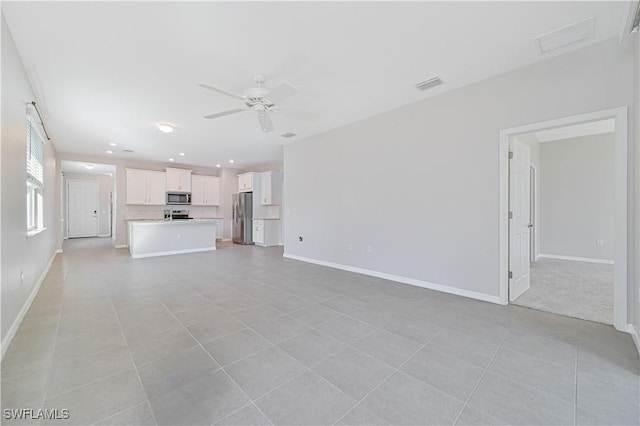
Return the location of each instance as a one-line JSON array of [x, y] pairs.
[[35, 232]]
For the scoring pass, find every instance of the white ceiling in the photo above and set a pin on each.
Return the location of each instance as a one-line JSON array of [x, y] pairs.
[[576, 130], [110, 71], [79, 167]]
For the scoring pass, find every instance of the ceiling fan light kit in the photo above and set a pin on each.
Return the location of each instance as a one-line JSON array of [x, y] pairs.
[[259, 99]]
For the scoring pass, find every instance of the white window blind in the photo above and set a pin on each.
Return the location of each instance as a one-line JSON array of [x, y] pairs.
[[35, 155]]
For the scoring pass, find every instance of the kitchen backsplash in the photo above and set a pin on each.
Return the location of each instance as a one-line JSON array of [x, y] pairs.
[[157, 212]]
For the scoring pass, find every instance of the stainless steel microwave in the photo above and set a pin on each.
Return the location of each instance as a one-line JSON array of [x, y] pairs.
[[178, 198]]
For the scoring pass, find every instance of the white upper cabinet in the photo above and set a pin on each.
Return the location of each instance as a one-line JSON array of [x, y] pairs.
[[178, 180], [271, 188], [146, 187], [205, 190], [245, 182]]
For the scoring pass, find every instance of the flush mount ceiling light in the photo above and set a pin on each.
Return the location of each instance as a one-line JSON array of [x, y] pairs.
[[113, 144], [181, 154], [170, 159], [218, 165], [109, 152], [165, 128], [231, 161], [89, 166]]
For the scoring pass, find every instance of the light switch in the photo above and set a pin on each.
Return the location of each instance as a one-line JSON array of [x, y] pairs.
[[600, 243]]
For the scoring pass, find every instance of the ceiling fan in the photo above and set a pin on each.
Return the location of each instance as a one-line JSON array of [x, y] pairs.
[[261, 100]]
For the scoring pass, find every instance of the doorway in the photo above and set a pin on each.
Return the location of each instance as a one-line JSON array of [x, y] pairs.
[[88, 215], [521, 224], [82, 208]]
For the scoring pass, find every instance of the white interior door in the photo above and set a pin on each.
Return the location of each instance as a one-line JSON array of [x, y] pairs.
[[82, 208], [519, 224]]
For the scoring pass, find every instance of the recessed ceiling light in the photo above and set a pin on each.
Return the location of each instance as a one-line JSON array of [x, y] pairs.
[[165, 128], [89, 166], [109, 152], [218, 165], [181, 154], [170, 159], [113, 144], [231, 161]]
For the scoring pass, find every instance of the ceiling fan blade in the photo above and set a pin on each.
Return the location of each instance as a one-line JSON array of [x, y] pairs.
[[222, 114], [224, 92], [299, 114], [280, 93], [265, 121]]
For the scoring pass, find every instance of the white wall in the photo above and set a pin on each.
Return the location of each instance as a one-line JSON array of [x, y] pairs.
[[420, 184], [634, 153], [105, 186], [31, 255], [577, 182]]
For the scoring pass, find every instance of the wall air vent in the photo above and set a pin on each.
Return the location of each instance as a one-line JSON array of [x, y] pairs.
[[288, 135], [428, 84], [566, 36]]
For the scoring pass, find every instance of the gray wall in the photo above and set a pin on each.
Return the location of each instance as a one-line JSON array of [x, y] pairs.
[[420, 184], [577, 182], [19, 252], [105, 185]]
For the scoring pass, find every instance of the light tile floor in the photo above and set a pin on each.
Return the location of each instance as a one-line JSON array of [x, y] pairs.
[[242, 336]]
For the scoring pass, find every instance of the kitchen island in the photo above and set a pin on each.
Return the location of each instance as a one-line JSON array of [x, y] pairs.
[[164, 237]]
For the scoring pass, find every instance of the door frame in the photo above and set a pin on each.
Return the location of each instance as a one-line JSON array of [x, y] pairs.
[[97, 203], [534, 255], [620, 319]]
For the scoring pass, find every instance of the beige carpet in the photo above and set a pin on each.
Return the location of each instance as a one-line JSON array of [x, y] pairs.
[[575, 289]]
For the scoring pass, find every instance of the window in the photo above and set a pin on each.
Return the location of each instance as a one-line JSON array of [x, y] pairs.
[[35, 177]]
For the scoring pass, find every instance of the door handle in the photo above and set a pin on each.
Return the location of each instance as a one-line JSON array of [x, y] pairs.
[[530, 225]]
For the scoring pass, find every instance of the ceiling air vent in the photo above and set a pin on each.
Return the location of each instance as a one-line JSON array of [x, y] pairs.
[[127, 150], [428, 84], [288, 135], [566, 36]]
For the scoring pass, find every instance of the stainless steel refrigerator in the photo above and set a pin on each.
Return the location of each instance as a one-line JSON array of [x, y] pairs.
[[242, 215]]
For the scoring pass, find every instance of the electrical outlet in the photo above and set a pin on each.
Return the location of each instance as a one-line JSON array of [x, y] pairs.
[[350, 246], [600, 243], [369, 249]]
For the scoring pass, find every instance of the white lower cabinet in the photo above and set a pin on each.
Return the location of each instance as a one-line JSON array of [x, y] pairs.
[[266, 232], [219, 229]]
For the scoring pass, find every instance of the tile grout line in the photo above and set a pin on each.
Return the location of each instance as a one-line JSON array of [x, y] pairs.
[[135, 367], [575, 396], [391, 374], [484, 373], [214, 360], [53, 351]]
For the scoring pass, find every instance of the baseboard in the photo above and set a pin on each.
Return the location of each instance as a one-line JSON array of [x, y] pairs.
[[167, 253], [11, 333], [121, 246], [104, 235], [634, 335], [576, 259], [397, 278], [226, 239], [59, 251]]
